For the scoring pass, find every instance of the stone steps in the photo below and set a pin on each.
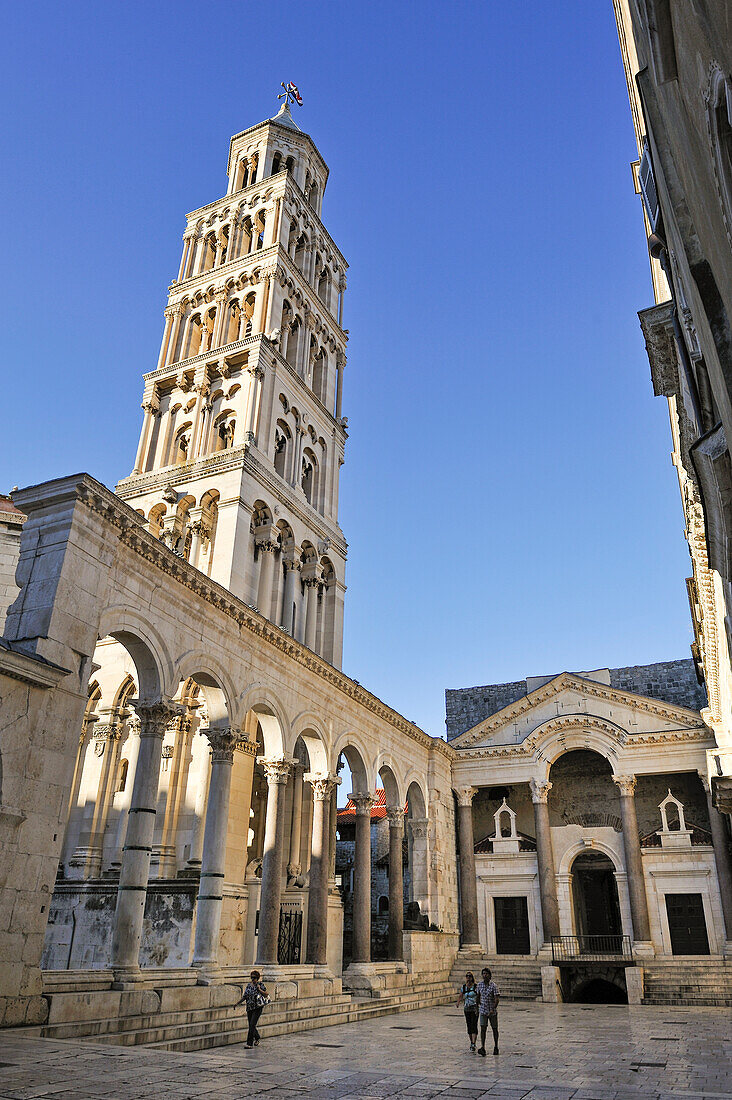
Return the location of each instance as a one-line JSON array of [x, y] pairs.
[[199, 1028], [678, 982], [518, 978]]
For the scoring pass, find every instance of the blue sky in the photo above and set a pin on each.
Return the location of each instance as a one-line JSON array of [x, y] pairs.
[[508, 496]]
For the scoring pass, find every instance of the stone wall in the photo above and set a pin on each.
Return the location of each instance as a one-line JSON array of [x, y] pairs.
[[79, 931], [669, 681]]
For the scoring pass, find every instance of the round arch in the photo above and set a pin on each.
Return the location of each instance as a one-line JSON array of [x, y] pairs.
[[416, 799], [576, 731], [394, 797], [348, 746], [146, 647], [309, 727], [271, 716], [217, 686]]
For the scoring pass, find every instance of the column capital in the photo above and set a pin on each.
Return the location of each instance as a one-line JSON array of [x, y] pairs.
[[419, 826], [465, 795], [625, 784], [322, 785], [223, 741], [363, 802], [539, 790], [156, 715], [292, 564], [396, 818], [276, 771]]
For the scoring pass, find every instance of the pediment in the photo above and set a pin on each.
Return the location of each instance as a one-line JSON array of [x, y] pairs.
[[569, 702]]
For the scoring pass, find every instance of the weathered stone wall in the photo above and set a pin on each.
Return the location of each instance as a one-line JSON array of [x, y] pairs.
[[465, 707], [79, 931]]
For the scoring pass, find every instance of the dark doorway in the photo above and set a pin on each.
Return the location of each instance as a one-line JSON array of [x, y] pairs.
[[598, 991], [686, 924], [512, 926], [290, 937], [596, 906]]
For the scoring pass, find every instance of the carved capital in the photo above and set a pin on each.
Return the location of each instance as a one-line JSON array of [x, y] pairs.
[[465, 795], [256, 372], [276, 771], [419, 827], [292, 565], [625, 784], [155, 717], [539, 790], [363, 803], [223, 742], [396, 818], [322, 785]]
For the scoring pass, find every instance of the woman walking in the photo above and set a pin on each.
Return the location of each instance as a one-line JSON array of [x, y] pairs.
[[255, 998], [469, 1000]]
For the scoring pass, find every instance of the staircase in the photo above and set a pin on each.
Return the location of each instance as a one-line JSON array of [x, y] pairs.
[[518, 978], [697, 981], [202, 1025]]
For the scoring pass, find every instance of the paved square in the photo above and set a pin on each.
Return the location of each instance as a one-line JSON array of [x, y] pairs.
[[548, 1052]]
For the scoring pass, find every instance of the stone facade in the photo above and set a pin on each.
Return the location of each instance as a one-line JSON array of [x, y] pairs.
[[678, 61], [593, 824]]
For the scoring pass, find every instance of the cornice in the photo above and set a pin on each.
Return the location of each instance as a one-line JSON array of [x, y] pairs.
[[527, 748], [205, 357], [100, 500], [30, 669], [587, 688]]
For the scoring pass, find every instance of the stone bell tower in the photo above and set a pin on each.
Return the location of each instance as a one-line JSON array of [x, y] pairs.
[[242, 440]]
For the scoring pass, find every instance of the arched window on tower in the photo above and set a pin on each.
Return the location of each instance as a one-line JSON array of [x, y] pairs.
[[290, 164], [309, 479], [282, 440], [293, 341], [209, 252], [193, 340], [320, 375], [276, 163], [224, 432], [300, 249], [182, 445]]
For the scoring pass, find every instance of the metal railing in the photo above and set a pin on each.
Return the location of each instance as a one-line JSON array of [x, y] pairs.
[[590, 948]]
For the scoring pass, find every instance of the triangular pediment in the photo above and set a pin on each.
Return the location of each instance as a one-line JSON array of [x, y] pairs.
[[569, 699]]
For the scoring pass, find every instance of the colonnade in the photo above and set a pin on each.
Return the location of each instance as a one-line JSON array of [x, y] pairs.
[[280, 850], [641, 926]]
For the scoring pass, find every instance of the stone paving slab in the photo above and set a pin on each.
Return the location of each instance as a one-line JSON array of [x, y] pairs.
[[548, 1052]]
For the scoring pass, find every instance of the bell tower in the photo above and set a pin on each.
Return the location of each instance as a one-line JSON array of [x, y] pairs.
[[243, 436]]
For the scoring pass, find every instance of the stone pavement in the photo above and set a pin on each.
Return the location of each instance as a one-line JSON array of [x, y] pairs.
[[548, 1052]]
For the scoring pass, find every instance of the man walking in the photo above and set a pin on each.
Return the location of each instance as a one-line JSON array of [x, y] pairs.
[[488, 998]]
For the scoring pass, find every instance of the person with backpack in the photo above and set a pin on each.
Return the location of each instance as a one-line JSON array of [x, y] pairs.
[[255, 997], [469, 1000]]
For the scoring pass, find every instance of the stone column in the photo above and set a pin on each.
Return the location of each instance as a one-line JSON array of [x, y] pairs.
[[132, 889], [312, 585], [333, 830], [106, 741], [210, 890], [222, 317], [178, 317], [545, 859], [179, 764], [150, 409], [199, 819], [294, 866], [362, 879], [267, 549], [292, 584], [468, 886], [419, 830], [396, 885], [720, 842], [277, 773], [201, 390], [257, 374], [633, 859], [340, 363], [133, 749], [317, 939]]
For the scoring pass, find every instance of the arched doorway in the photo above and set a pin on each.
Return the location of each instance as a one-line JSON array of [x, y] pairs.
[[596, 903]]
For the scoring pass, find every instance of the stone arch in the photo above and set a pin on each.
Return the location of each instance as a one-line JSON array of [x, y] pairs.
[[270, 714], [576, 731], [309, 727], [146, 647], [217, 687], [416, 798], [350, 748], [390, 784], [568, 857]]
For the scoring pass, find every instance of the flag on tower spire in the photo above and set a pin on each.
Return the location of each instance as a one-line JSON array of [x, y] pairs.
[[291, 93]]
